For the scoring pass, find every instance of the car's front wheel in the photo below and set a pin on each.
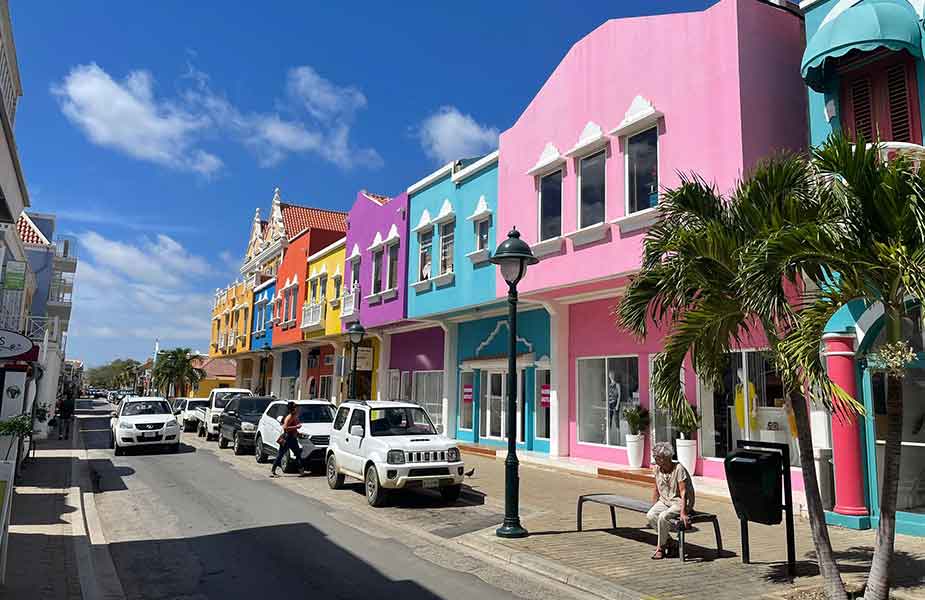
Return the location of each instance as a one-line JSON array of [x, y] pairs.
[[259, 453], [222, 442], [375, 495], [335, 479], [238, 449], [450, 493]]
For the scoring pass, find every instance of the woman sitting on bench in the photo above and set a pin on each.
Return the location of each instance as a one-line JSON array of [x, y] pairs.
[[673, 496]]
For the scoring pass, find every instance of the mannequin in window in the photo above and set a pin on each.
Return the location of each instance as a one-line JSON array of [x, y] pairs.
[[740, 403], [614, 400]]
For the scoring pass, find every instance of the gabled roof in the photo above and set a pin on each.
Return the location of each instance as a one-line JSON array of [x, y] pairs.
[[29, 233], [379, 199], [297, 219], [216, 367]]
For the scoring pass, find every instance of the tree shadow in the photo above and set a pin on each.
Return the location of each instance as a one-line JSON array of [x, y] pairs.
[[908, 569]]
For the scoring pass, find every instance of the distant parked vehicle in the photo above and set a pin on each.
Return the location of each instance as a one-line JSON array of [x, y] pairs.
[[392, 445], [238, 422], [143, 422], [314, 434], [186, 412], [210, 414]]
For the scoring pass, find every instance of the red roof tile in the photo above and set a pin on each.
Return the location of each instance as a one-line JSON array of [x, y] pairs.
[[28, 232], [217, 367], [379, 199], [297, 219]]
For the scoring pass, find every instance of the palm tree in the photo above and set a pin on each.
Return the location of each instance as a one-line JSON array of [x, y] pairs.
[[690, 285], [872, 251], [176, 367]]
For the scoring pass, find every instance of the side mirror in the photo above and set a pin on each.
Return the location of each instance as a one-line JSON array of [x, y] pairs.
[[357, 431]]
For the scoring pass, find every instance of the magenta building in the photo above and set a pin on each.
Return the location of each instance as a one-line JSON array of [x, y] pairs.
[[580, 172]]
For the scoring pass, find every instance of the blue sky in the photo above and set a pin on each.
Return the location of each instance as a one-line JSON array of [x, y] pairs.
[[155, 129]]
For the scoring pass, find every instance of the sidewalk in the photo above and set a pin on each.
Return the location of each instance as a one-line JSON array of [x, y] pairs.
[[617, 564]]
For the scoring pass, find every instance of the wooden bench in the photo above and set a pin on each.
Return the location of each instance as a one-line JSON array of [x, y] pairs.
[[613, 501]]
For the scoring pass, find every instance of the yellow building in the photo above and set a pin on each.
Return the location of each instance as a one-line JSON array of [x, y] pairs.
[[219, 373], [231, 320]]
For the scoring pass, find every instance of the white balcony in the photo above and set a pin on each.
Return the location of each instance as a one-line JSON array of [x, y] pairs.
[[65, 254], [37, 329], [313, 316], [349, 306]]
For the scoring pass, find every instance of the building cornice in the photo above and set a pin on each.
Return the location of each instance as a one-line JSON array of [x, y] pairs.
[[432, 178]]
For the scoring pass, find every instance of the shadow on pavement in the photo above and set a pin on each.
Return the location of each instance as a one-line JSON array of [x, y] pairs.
[[107, 477], [420, 498], [295, 560], [855, 560]]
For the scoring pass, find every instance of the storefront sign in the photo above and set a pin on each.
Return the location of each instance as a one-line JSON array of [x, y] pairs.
[[15, 278], [467, 393], [545, 394], [364, 359], [13, 344]]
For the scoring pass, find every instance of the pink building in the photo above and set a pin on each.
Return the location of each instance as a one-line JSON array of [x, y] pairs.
[[632, 104]]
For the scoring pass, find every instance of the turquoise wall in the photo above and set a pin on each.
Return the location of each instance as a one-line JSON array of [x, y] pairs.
[[473, 284]]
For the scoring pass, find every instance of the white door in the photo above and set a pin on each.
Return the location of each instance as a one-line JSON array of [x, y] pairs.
[[352, 459], [495, 405]]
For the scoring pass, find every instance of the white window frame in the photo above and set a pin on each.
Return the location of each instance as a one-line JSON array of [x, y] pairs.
[[414, 388], [444, 228], [578, 397], [578, 161], [478, 237], [539, 204], [322, 288], [486, 408], [354, 274], [626, 168], [326, 381], [462, 402], [388, 266], [421, 246], [377, 256]]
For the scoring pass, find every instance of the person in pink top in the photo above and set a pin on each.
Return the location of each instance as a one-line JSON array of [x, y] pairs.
[[289, 440]]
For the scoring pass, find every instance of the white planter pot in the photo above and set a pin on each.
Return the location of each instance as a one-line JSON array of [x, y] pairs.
[[687, 454], [635, 446]]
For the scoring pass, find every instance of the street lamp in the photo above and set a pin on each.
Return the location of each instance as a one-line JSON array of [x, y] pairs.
[[513, 257], [355, 334], [265, 352]]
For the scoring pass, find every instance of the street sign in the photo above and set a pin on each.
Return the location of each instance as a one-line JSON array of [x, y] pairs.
[[13, 344], [364, 358], [15, 278]]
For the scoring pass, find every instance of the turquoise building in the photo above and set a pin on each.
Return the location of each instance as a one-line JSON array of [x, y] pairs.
[[864, 68]]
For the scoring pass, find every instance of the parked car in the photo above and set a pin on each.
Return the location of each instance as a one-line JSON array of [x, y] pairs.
[[209, 414], [314, 434], [185, 411], [143, 422], [389, 446], [238, 423]]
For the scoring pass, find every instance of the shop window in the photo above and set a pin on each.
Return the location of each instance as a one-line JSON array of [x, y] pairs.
[[541, 402], [425, 255], [447, 238], [551, 206], [394, 384], [606, 386], [392, 273], [427, 391], [326, 387], [377, 271], [642, 171], [591, 190], [466, 399], [748, 403], [880, 101]]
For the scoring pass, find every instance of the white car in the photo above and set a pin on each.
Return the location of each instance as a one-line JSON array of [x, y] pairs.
[[392, 445], [211, 413], [144, 422], [316, 417], [185, 410]]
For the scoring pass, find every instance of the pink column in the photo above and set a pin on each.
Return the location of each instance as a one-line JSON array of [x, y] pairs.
[[846, 430]]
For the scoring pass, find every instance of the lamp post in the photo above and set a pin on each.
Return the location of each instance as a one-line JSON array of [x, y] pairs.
[[265, 352], [355, 334], [513, 257]]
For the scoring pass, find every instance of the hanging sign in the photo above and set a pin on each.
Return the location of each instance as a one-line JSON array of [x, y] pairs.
[[13, 344], [545, 394], [364, 358], [15, 278], [467, 393]]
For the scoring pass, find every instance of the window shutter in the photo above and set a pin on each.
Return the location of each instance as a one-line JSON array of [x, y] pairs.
[[861, 115], [898, 103]]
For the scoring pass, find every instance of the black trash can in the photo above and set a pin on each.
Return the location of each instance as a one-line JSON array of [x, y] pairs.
[[754, 479]]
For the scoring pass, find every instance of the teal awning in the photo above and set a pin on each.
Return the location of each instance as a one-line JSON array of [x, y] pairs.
[[866, 26]]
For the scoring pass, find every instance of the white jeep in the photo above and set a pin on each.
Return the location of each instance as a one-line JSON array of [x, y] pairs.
[[391, 445]]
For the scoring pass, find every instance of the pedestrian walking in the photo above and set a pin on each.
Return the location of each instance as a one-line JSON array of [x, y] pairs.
[[65, 413], [289, 440]]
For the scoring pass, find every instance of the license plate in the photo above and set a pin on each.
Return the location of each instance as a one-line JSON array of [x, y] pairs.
[[431, 483], [149, 434]]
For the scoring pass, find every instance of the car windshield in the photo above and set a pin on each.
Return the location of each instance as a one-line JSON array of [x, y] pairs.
[[221, 400], [194, 404], [315, 413], [253, 406], [400, 421], [153, 407]]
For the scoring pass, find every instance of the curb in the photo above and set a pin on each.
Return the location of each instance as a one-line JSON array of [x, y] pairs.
[[552, 570]]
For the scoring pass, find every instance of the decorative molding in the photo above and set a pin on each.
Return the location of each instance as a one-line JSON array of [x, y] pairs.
[[392, 237], [389, 293], [481, 211], [374, 298], [491, 336], [354, 254], [433, 177], [377, 242], [479, 165], [446, 213], [422, 286], [640, 115], [547, 247], [549, 160], [590, 234], [424, 222], [478, 256], [592, 139], [638, 220], [444, 279]]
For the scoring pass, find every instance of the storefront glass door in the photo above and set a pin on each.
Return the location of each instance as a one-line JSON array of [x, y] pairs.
[[493, 409]]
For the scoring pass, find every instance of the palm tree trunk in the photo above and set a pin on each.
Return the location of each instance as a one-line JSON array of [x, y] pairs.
[[878, 582], [831, 576]]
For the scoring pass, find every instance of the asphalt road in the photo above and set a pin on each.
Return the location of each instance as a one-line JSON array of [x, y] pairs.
[[187, 526]]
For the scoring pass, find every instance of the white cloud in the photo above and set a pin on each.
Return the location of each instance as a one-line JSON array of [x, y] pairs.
[[449, 134], [314, 117], [93, 216], [159, 261], [126, 116]]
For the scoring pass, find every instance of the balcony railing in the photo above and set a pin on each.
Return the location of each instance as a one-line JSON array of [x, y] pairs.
[[313, 316], [65, 247], [35, 328], [350, 303], [891, 150]]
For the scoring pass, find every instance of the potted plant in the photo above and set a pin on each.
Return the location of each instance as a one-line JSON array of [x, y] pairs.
[[637, 419], [686, 445], [17, 428]]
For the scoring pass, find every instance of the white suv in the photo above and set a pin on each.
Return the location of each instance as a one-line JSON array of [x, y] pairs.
[[314, 434], [392, 445], [143, 422]]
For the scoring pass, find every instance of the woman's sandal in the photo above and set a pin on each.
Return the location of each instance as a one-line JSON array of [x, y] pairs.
[[659, 554]]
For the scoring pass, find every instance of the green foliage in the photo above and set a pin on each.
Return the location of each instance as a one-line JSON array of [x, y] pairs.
[[118, 373], [637, 418], [686, 423], [176, 367], [18, 426]]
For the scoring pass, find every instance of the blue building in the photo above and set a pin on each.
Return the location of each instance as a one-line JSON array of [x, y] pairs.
[[865, 72], [262, 337]]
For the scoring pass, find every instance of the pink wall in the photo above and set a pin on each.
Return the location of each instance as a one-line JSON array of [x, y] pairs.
[[688, 66]]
